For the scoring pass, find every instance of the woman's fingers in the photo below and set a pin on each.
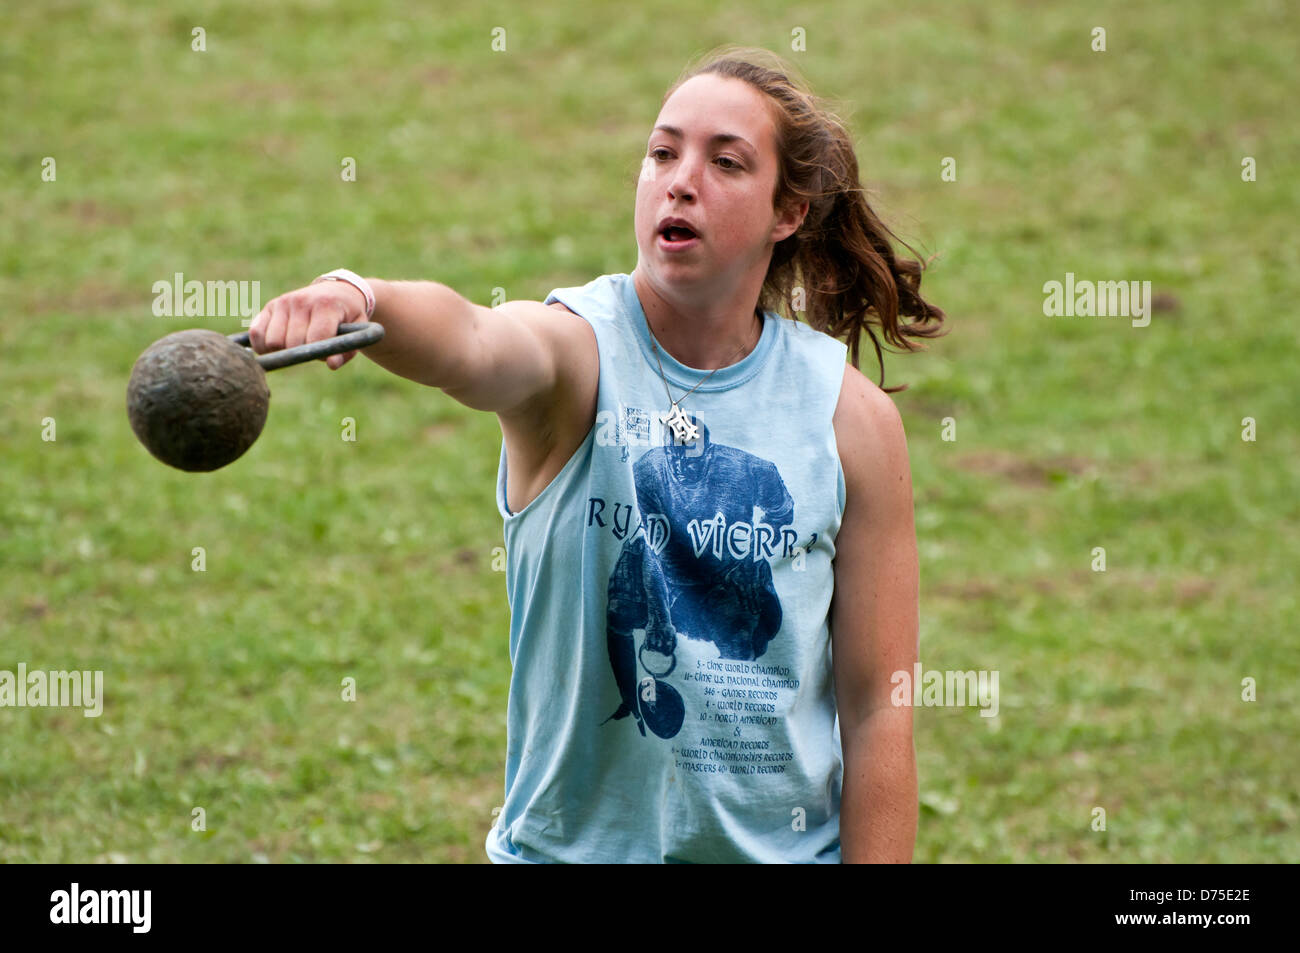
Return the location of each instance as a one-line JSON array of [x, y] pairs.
[[277, 326], [335, 361], [309, 314]]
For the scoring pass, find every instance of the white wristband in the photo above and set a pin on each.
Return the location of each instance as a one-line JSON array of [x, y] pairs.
[[356, 281]]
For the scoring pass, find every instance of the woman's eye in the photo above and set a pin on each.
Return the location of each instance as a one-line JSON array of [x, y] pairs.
[[732, 165]]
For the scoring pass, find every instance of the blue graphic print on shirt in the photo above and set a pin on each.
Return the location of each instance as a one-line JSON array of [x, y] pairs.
[[697, 567]]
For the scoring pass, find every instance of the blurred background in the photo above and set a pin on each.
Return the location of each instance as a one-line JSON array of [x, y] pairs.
[[514, 168]]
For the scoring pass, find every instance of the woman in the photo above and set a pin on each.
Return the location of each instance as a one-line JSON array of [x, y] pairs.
[[711, 559]]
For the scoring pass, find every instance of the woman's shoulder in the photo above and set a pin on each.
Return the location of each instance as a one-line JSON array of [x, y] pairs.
[[812, 357], [806, 334], [870, 437], [602, 297]]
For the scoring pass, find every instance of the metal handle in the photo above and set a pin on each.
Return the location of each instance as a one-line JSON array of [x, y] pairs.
[[350, 337]]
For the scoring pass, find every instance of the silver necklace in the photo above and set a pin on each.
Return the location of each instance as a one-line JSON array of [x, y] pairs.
[[683, 429]]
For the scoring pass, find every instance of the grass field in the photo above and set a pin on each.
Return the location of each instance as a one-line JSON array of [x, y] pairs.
[[373, 559]]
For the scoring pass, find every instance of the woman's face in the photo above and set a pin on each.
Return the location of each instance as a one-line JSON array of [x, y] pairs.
[[711, 160]]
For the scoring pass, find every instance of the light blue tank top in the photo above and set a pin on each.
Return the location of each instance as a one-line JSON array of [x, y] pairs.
[[672, 698]]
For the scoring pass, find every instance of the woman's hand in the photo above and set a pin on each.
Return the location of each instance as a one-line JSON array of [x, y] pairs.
[[308, 314]]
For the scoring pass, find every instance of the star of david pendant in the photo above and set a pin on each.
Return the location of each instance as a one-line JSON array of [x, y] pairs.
[[683, 429]]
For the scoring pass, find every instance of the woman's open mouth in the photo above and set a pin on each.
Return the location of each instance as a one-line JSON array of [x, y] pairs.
[[677, 238]]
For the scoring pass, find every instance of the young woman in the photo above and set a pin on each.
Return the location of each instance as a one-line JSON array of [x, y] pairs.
[[711, 559]]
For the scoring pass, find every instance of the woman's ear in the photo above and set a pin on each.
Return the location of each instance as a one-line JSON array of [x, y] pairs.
[[790, 219]]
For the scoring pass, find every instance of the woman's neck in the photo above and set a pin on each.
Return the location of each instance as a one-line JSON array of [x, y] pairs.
[[704, 339]]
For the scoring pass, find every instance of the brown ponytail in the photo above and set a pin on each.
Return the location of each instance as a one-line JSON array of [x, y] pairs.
[[841, 256]]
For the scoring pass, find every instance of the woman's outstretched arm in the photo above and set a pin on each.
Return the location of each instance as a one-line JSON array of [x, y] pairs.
[[495, 359]]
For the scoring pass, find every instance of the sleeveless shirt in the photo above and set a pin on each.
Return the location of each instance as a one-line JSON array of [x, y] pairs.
[[671, 697]]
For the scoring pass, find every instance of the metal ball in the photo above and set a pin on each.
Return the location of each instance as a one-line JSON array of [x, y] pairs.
[[197, 400]]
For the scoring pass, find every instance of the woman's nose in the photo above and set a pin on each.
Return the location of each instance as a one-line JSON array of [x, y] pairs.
[[682, 183]]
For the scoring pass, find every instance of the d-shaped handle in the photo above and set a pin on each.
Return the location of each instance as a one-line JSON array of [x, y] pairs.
[[350, 337]]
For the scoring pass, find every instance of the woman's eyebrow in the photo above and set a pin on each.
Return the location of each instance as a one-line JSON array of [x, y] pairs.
[[721, 137]]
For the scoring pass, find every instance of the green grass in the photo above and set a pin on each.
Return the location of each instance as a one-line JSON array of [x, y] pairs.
[[372, 560]]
